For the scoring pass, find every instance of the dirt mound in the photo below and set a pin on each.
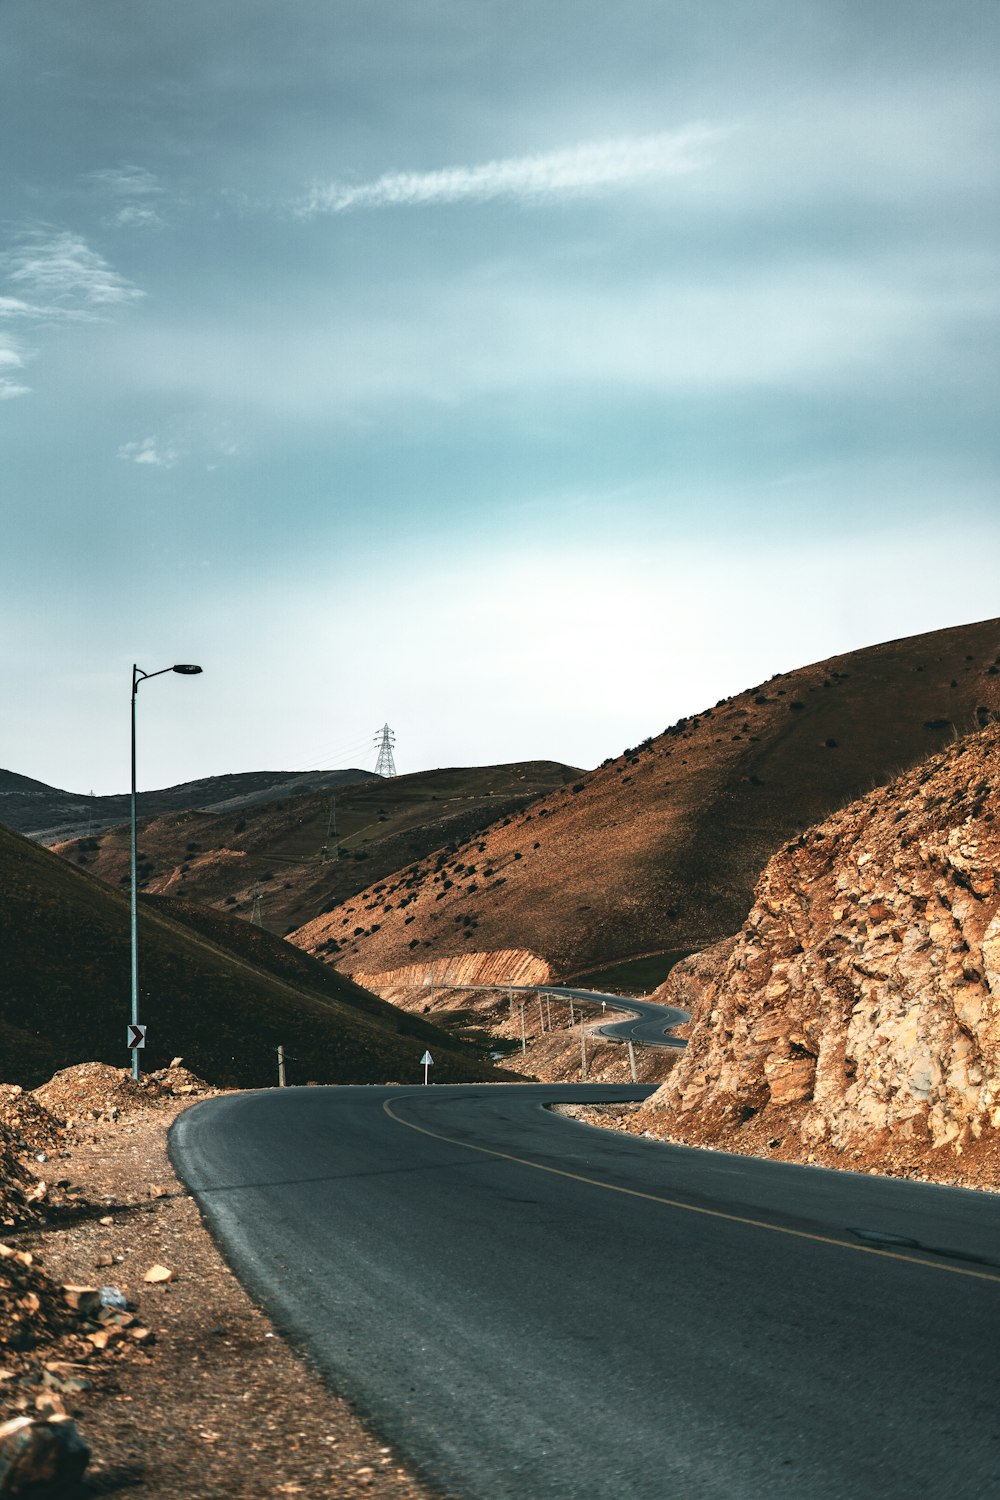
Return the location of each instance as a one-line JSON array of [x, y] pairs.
[[96, 1090], [174, 1081], [91, 1088], [33, 1309], [17, 1185], [33, 1127], [57, 1340]]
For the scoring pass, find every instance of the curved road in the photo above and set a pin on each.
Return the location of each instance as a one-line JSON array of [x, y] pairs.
[[647, 1025], [527, 1307]]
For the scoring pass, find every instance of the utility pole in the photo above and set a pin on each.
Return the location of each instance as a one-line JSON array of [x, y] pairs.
[[583, 1051], [571, 1012], [548, 1009], [281, 1067], [631, 1059], [541, 1015], [385, 739], [524, 1040]]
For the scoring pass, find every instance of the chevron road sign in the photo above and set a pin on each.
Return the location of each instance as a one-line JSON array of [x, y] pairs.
[[136, 1037]]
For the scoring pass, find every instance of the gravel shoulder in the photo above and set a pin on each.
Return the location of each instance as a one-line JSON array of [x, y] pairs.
[[219, 1406]]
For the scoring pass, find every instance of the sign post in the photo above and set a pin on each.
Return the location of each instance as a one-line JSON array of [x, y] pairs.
[[426, 1062], [136, 1037]]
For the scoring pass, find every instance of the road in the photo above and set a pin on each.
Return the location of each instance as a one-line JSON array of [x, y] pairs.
[[528, 1307], [647, 1023]]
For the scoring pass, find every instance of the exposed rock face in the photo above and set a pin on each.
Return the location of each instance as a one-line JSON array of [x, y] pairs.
[[859, 1008], [504, 966]]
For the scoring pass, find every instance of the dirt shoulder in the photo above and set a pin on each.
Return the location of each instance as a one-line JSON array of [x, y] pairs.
[[975, 1171], [216, 1405]]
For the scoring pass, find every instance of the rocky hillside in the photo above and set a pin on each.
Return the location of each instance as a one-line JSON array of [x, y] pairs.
[[659, 849], [856, 1017]]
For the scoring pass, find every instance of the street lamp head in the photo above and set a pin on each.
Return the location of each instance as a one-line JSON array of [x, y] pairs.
[[186, 671]]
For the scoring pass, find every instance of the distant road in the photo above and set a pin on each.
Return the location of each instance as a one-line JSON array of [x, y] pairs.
[[647, 1025], [530, 1309]]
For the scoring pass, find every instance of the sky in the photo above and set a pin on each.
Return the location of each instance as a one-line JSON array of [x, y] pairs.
[[520, 375]]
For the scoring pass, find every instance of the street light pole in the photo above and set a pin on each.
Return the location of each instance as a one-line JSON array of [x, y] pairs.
[[138, 675]]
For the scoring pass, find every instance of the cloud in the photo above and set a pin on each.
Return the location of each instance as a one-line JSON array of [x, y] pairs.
[[15, 307], [126, 181], [11, 359], [135, 216], [132, 187], [577, 170], [63, 272], [151, 452]]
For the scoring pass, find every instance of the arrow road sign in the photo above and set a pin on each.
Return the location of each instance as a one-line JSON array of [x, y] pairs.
[[426, 1062], [136, 1037]]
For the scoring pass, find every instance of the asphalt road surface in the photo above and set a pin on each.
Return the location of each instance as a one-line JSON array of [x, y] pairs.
[[528, 1307], [648, 1023]]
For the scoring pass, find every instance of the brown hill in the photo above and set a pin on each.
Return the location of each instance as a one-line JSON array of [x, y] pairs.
[[856, 1018], [214, 991], [659, 849], [48, 814], [221, 858]]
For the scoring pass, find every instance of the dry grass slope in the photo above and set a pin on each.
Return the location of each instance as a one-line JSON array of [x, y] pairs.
[[213, 991], [219, 858], [659, 848]]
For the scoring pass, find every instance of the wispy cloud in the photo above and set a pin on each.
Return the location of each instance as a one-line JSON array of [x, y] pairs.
[[63, 272], [11, 359], [135, 216], [132, 188], [9, 386], [578, 170], [150, 451], [16, 307], [126, 181]]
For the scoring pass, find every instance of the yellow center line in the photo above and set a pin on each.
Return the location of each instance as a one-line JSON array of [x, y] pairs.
[[692, 1208]]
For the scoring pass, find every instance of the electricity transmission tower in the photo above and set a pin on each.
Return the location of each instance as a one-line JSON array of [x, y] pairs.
[[256, 920], [385, 739], [331, 833]]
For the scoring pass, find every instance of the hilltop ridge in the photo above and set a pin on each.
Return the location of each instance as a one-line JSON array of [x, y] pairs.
[[659, 848], [48, 814]]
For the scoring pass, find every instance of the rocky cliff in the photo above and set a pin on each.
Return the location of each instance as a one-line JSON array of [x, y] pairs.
[[856, 1017]]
